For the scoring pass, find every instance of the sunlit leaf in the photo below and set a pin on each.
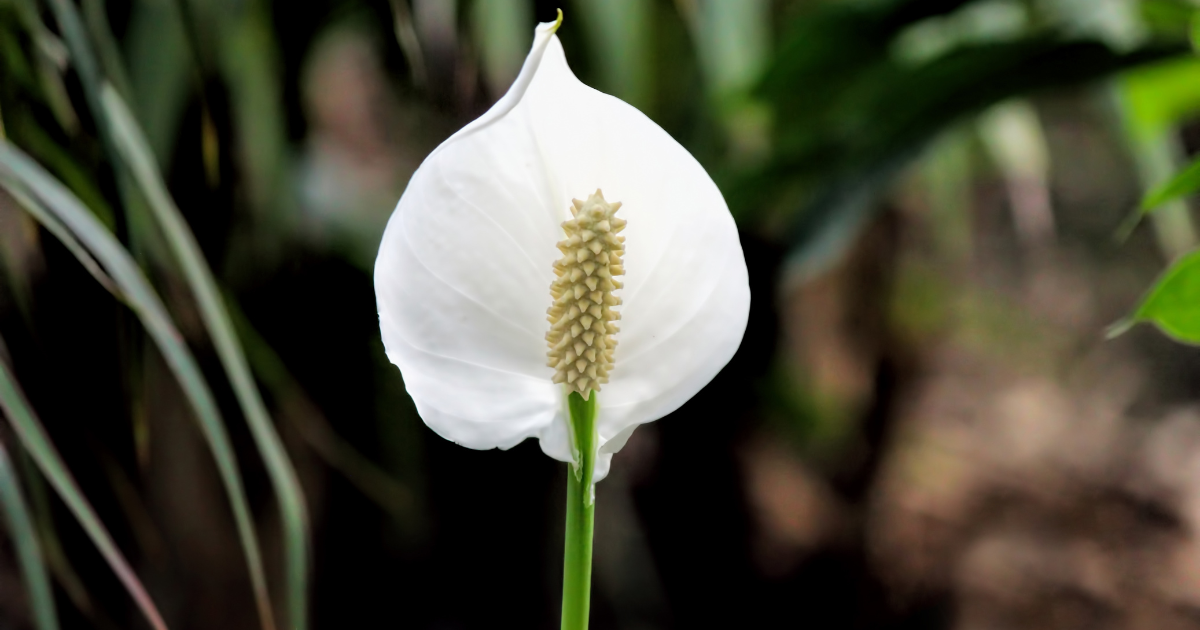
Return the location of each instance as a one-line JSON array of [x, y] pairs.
[[1173, 304], [1182, 184]]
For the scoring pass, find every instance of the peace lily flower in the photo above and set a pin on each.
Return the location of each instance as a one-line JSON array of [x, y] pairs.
[[523, 239]]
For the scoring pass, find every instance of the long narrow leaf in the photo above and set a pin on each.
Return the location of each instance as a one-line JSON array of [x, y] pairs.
[[389, 493], [55, 227], [25, 541], [1182, 184], [20, 173], [35, 440], [56, 559], [89, 69], [136, 151]]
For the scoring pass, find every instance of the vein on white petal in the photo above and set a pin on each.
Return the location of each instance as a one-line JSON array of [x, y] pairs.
[[539, 269], [521, 427], [530, 414], [556, 192], [728, 344], [538, 189], [504, 444], [659, 341], [681, 323], [665, 246], [647, 278], [406, 341], [452, 287], [520, 120]]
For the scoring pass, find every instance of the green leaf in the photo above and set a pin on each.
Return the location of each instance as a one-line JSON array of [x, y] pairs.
[[37, 442], [1159, 96], [849, 117], [135, 150], [1173, 304], [25, 541], [1194, 32], [389, 493], [75, 37], [1182, 184], [60, 231], [21, 174], [89, 69]]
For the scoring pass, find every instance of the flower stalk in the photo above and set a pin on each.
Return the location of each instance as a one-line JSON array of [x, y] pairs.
[[581, 507]]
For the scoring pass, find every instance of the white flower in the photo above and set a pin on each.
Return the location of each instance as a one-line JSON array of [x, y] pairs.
[[464, 272]]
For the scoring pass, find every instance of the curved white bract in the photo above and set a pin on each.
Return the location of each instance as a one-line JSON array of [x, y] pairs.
[[464, 271]]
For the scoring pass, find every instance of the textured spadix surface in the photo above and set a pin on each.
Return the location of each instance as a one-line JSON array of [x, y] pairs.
[[583, 316], [464, 269]]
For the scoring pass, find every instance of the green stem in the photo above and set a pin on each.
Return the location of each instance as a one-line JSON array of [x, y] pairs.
[[577, 556]]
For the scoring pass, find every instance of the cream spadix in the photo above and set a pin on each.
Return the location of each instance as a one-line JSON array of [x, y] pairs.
[[463, 270], [582, 318]]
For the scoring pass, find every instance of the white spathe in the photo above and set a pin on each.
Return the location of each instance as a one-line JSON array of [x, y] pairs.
[[464, 270]]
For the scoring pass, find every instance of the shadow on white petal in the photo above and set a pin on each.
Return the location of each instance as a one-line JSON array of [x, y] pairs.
[[476, 406], [555, 439], [654, 384], [603, 465], [437, 316]]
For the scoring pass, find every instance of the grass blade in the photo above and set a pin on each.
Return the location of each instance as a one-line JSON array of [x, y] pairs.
[[35, 440], [410, 46], [135, 149], [25, 542], [56, 559], [55, 227], [91, 76], [389, 493], [20, 173]]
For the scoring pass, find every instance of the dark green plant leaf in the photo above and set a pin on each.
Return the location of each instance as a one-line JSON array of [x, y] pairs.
[[86, 64], [135, 150], [37, 443], [390, 494], [846, 122], [60, 231], [21, 174], [25, 542]]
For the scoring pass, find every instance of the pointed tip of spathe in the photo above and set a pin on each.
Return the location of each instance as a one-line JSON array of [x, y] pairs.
[[552, 27]]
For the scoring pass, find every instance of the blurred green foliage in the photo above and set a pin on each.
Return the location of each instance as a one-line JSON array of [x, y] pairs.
[[1174, 302], [186, 206]]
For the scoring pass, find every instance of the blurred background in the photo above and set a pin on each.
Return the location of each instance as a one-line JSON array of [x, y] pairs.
[[925, 426]]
